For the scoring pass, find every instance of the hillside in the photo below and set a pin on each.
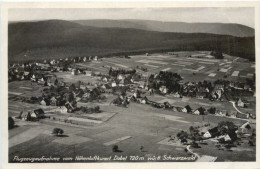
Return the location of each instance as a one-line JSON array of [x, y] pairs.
[[180, 27], [59, 39]]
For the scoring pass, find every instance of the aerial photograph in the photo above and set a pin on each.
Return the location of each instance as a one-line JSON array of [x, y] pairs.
[[131, 85]]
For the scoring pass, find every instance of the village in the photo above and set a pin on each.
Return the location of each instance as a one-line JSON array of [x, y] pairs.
[[195, 89]]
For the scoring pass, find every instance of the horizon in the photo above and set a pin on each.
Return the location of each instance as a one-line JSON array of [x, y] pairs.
[[124, 20], [242, 15]]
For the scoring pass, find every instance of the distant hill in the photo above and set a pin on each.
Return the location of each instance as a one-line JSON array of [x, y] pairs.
[[177, 27], [59, 39]]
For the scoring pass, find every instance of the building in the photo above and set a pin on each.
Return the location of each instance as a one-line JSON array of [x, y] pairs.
[[113, 84], [37, 114], [244, 129], [163, 89], [95, 58], [74, 72], [212, 133], [240, 103], [88, 73], [199, 111], [53, 101]]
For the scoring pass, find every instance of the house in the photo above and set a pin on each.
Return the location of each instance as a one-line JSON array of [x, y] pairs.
[[113, 84], [120, 77], [63, 109], [74, 71], [37, 114], [52, 81], [53, 101], [142, 84], [212, 133], [244, 129], [232, 114], [95, 58], [104, 79], [184, 110], [70, 107], [167, 105], [225, 137], [122, 83], [163, 89], [207, 134], [143, 100], [221, 113], [86, 95], [178, 109], [176, 95], [240, 103], [199, 111], [202, 93], [33, 78], [83, 86], [53, 62], [43, 102]]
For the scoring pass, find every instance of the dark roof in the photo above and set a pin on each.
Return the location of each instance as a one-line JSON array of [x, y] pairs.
[[38, 111]]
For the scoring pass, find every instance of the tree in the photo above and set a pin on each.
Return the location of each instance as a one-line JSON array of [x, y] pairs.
[[212, 110], [182, 135], [97, 109], [188, 108], [218, 54], [57, 131], [115, 148], [10, 123]]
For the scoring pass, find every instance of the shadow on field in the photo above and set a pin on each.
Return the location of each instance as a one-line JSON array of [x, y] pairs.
[[62, 136]]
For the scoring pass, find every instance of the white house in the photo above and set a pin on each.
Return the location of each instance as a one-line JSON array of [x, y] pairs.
[[196, 112], [88, 73], [95, 58], [113, 84], [176, 95], [227, 138], [104, 79], [207, 134], [163, 89], [43, 102], [240, 103], [184, 110]]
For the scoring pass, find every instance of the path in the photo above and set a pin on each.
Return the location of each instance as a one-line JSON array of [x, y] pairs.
[[188, 148], [234, 105]]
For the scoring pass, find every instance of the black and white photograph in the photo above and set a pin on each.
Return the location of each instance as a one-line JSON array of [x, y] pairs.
[[131, 84]]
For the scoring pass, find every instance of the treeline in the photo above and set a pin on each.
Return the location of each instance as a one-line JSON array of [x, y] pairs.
[[35, 36]]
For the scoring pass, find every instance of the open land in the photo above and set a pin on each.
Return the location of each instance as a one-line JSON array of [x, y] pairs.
[[135, 126]]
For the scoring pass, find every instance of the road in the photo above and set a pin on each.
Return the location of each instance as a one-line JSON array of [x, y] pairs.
[[234, 105]]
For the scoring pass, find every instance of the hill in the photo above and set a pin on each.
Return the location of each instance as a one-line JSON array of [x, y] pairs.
[[177, 27], [60, 39]]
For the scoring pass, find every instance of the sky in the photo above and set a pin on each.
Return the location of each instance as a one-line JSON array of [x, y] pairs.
[[241, 15]]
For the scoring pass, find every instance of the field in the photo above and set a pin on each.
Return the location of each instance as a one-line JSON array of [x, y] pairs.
[[191, 69], [135, 126]]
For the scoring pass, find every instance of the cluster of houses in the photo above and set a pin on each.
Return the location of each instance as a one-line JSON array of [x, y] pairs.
[[118, 79], [187, 109], [33, 115], [215, 133], [25, 71]]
